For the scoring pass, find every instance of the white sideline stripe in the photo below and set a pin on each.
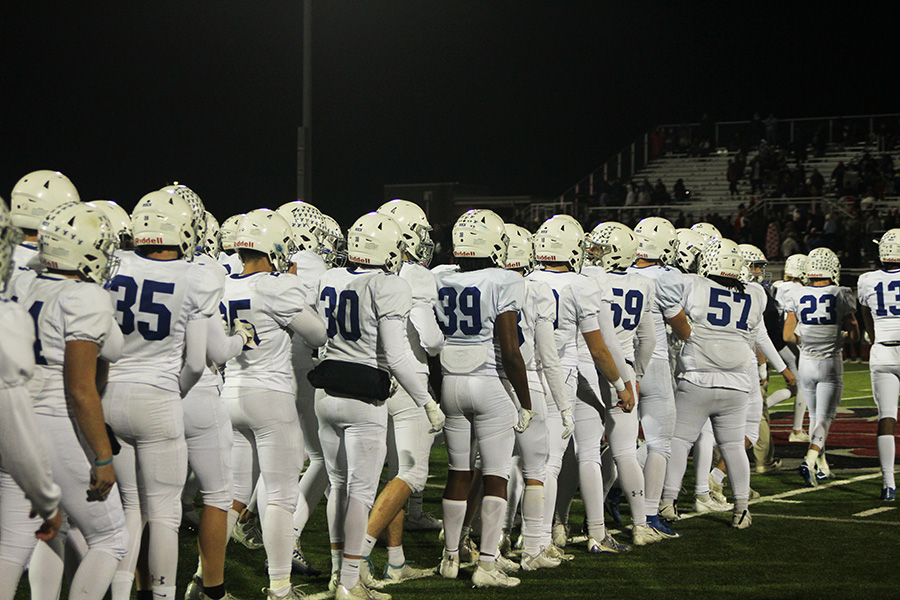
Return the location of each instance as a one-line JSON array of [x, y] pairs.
[[874, 511], [779, 501], [826, 519]]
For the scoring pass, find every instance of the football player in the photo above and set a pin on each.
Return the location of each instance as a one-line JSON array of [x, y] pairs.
[[228, 257], [817, 318], [794, 278], [120, 220], [879, 294]]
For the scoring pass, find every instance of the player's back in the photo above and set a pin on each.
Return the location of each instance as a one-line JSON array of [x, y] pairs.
[[468, 304], [633, 296], [423, 286], [668, 293], [154, 300], [880, 292], [577, 300], [820, 312], [781, 290], [16, 345], [230, 262]]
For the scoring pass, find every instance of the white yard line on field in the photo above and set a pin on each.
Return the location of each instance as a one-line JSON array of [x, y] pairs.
[[825, 519], [874, 511]]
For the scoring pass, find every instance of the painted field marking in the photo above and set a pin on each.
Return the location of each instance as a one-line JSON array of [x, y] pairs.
[[825, 519], [779, 501], [874, 511]]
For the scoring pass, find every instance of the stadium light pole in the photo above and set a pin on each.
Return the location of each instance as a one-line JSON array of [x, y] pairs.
[[304, 132]]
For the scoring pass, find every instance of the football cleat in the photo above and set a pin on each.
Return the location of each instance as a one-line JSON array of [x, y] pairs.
[[807, 474], [405, 572], [560, 535], [334, 582], [422, 522], [194, 589], [489, 575], [541, 560], [449, 568], [366, 570], [613, 499], [359, 592], [607, 545], [754, 495], [248, 533], [800, 438], [706, 503], [716, 488], [661, 527], [505, 544], [642, 535], [294, 593], [554, 551], [300, 565], [741, 520], [775, 465], [507, 565], [889, 494], [468, 551], [668, 512], [823, 471]]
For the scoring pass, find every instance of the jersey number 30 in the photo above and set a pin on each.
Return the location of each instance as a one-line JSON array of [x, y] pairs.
[[342, 313]]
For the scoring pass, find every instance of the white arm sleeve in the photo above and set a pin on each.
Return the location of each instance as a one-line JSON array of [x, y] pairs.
[[392, 336], [221, 347], [309, 326], [114, 344], [765, 345], [608, 331], [23, 453], [431, 338], [545, 347], [195, 335], [644, 344]]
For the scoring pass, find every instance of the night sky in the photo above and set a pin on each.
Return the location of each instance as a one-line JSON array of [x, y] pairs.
[[525, 97]]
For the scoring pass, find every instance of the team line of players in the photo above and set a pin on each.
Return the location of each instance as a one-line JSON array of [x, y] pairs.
[[240, 352]]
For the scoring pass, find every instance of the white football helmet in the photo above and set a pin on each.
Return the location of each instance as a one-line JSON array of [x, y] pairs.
[[266, 231], [889, 246], [164, 218], [520, 252], [197, 208], [36, 194], [480, 233], [306, 223], [228, 230], [656, 240], [334, 245], [691, 245], [210, 241], [612, 246], [10, 237], [795, 266], [376, 239], [118, 218], [755, 263], [707, 230], [415, 226], [76, 237], [822, 263], [560, 239], [722, 258]]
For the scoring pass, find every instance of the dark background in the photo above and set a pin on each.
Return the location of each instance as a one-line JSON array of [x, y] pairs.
[[523, 96]]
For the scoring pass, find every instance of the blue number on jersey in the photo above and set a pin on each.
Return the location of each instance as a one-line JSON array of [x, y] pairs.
[[631, 304], [811, 305], [467, 303], [894, 308], [556, 320], [147, 306], [342, 313], [723, 300], [519, 329], [233, 313], [35, 312]]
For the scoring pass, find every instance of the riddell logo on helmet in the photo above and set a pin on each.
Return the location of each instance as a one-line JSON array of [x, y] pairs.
[[243, 244], [148, 241], [360, 259], [464, 253], [545, 257]]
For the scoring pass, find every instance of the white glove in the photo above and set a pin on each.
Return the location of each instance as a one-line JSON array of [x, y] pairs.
[[568, 422], [763, 372], [525, 417], [435, 416], [247, 331]]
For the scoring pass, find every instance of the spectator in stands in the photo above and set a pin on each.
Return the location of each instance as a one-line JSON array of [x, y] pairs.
[[771, 129], [816, 239], [816, 183], [731, 174], [790, 245], [773, 238], [679, 191], [831, 229], [755, 175], [645, 192], [853, 232], [660, 193], [631, 195], [837, 175], [657, 142]]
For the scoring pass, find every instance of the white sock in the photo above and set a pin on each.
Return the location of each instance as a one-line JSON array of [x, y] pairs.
[[591, 483], [278, 539], [631, 480], [886, 451], [532, 519], [703, 455], [230, 519], [396, 556], [811, 457], [336, 558], [549, 504], [95, 573], [368, 545], [514, 489], [492, 509], [718, 475], [355, 527], [350, 572], [454, 512], [799, 411], [778, 397], [654, 476]]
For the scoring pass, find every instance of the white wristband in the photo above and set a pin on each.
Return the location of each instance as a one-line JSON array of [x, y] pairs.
[[763, 371], [619, 385]]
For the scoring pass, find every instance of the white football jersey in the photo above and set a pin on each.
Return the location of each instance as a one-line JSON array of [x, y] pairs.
[[781, 290], [352, 302], [633, 296], [231, 263], [578, 299], [16, 345], [880, 291], [24, 254], [211, 378], [820, 313], [63, 310], [723, 329], [467, 308], [423, 286], [540, 305], [310, 266], [668, 298], [154, 300]]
